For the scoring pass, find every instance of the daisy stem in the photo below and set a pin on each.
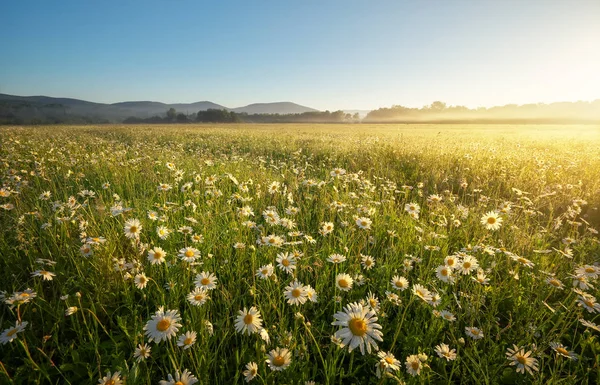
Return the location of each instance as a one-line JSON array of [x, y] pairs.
[[316, 344], [401, 322]]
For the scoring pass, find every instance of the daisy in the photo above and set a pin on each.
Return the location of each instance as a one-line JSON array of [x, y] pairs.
[[523, 261], [448, 316], [46, 275], [555, 282], [367, 262], [141, 281], [278, 359], [336, 258], [198, 296], [588, 271], [474, 333], [156, 256], [399, 283], [523, 360], [412, 208], [359, 327], [142, 352], [443, 351], [373, 302], [444, 273], [111, 379], [295, 293], [206, 280], [264, 272], [132, 228], [421, 292], [467, 265], [163, 232], [10, 334], [562, 350], [187, 340], [311, 294], [248, 321], [413, 365], [186, 378], [491, 221], [344, 282], [326, 228], [21, 297], [589, 303], [363, 223], [189, 254], [387, 363], [286, 262], [163, 325], [250, 372], [71, 310]]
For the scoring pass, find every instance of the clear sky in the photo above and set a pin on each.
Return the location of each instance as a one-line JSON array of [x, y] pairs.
[[324, 54]]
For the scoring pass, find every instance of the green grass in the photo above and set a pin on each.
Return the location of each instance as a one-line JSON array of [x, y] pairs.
[[551, 223]]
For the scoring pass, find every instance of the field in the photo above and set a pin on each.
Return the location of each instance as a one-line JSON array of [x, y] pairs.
[[327, 254]]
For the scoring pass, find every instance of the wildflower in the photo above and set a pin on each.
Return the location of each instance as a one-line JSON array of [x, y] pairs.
[[399, 283], [413, 365], [311, 294], [443, 351], [523, 360], [71, 310], [163, 232], [421, 292], [156, 256], [187, 340], [555, 282], [326, 228], [186, 378], [248, 321], [412, 208], [111, 379], [344, 282], [142, 352], [588, 301], [286, 262], [141, 281], [46, 275], [367, 262], [21, 297], [359, 327], [278, 359], [363, 223], [8, 335], [206, 280], [387, 363], [491, 221], [163, 325], [444, 273], [295, 293], [562, 350], [265, 271], [336, 258], [474, 333], [132, 228], [198, 296], [189, 254], [250, 372], [448, 316]]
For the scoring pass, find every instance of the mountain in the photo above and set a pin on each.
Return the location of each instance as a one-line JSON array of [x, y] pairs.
[[44, 108], [274, 108]]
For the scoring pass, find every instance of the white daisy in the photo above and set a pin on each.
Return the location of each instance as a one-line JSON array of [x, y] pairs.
[[359, 327]]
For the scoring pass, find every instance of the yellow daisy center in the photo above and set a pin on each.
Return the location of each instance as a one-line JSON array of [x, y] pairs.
[[133, 229], [491, 220], [554, 282], [562, 351], [444, 272], [285, 262], [179, 383], [189, 253], [389, 360], [296, 293], [272, 240], [11, 333], [110, 382], [198, 297], [265, 271], [248, 318], [205, 281], [590, 270], [187, 341], [415, 365], [467, 265], [522, 360], [343, 283], [163, 325], [278, 361], [358, 326]]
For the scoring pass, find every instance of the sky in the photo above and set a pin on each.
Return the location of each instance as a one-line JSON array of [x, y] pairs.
[[323, 54]]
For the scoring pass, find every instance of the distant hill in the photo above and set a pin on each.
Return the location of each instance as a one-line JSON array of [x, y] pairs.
[[45, 108], [274, 108]]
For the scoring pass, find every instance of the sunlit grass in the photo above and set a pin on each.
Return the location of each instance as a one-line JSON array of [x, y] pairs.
[[69, 193]]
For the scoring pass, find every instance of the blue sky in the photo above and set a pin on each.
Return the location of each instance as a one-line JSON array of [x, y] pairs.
[[324, 54]]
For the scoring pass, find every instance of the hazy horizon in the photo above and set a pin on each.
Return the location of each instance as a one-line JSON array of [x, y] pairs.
[[336, 55]]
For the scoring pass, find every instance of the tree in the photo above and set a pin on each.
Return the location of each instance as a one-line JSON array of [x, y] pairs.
[[171, 114], [181, 118]]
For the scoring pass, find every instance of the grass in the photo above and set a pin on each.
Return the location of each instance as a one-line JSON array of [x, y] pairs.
[[542, 181]]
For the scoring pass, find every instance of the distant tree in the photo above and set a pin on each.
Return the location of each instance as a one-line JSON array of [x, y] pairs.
[[171, 114], [181, 118]]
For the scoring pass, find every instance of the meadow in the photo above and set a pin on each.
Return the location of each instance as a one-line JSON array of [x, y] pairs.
[[300, 254]]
